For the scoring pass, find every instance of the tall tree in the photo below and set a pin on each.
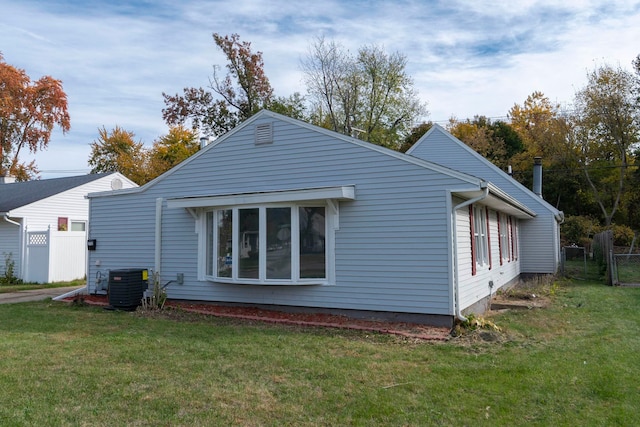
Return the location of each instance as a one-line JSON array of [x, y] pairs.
[[170, 150], [245, 86], [116, 151], [234, 97], [368, 95], [416, 133], [327, 70], [607, 128], [485, 137], [292, 106], [29, 111], [543, 129]]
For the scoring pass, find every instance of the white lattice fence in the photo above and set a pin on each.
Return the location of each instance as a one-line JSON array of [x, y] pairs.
[[55, 256], [37, 256]]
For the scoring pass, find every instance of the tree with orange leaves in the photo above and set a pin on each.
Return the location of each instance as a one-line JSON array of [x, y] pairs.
[[29, 111], [235, 96]]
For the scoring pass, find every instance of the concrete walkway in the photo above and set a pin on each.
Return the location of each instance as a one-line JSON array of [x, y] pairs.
[[35, 294]]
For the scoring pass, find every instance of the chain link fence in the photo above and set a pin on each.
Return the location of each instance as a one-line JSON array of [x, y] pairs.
[[614, 265], [575, 262], [627, 269]]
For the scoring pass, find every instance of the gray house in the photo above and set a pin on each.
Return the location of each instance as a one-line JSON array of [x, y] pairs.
[[284, 214]]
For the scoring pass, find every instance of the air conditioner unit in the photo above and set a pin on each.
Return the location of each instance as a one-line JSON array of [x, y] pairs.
[[126, 288]]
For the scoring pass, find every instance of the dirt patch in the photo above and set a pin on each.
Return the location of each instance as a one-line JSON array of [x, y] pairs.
[[407, 330], [519, 302], [533, 293]]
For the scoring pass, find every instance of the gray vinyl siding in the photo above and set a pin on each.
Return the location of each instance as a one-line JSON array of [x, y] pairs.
[[538, 255], [124, 230], [391, 250], [539, 237]]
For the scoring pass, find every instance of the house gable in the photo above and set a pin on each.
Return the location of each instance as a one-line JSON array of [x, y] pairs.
[[251, 133], [440, 147]]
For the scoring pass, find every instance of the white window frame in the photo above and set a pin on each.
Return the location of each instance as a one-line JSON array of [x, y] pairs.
[[505, 231], [481, 237], [262, 244]]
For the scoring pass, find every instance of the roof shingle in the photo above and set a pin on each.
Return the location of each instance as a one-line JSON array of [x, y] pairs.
[[18, 194]]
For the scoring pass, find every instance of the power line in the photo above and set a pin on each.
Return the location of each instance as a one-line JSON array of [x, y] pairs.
[[546, 171]]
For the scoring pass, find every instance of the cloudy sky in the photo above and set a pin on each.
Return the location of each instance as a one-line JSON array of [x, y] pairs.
[[116, 58]]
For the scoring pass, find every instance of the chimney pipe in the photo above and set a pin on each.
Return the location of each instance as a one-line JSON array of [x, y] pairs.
[[203, 142], [537, 176]]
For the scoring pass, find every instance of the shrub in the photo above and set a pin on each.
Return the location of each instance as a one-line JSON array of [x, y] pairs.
[[578, 230], [622, 235], [9, 278]]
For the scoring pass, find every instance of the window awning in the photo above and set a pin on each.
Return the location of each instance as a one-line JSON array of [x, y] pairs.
[[344, 192]]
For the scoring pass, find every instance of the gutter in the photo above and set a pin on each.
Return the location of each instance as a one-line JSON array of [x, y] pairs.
[[456, 284], [10, 221]]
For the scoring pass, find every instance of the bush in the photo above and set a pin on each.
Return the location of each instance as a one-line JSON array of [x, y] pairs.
[[578, 230], [9, 278], [622, 235]]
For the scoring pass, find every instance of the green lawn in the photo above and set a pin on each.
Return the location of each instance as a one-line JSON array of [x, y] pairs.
[[31, 286], [573, 363]]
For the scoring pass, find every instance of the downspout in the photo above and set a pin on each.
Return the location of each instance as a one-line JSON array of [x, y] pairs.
[[10, 221], [456, 285], [158, 241]]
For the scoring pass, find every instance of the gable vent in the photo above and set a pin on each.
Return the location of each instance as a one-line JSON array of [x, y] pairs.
[[264, 133]]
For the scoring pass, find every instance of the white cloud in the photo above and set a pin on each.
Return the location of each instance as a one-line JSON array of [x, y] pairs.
[[116, 59]]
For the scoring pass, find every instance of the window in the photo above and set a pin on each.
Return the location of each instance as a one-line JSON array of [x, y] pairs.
[[480, 238], [272, 244], [513, 226], [282, 237], [503, 230], [63, 223], [78, 226]]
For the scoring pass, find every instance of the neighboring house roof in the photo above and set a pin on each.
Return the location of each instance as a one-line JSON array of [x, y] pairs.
[[18, 194]]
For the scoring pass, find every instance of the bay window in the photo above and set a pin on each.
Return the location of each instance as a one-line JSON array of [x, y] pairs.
[[283, 237], [279, 244]]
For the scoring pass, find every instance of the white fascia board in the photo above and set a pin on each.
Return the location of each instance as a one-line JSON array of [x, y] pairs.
[[345, 192], [500, 201], [512, 201]]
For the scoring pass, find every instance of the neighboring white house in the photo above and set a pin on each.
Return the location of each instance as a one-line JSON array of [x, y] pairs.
[[285, 214], [43, 225]]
